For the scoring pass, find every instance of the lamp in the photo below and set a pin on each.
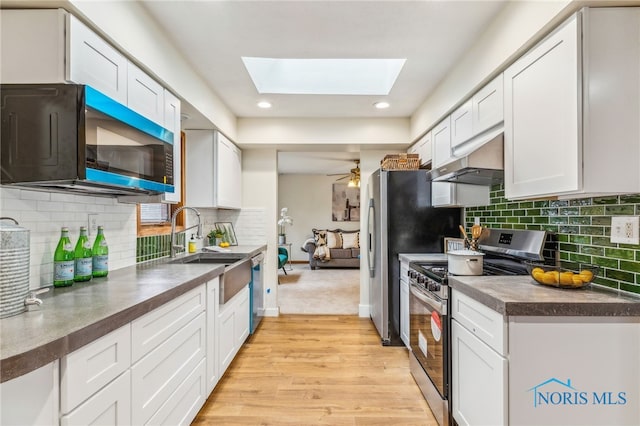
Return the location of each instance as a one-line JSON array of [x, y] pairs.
[[354, 181]]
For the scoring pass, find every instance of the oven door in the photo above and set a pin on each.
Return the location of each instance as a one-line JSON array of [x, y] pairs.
[[429, 336]]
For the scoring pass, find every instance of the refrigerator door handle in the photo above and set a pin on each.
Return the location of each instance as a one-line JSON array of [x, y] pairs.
[[372, 227]]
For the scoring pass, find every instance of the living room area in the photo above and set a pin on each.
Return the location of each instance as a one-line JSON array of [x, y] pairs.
[[323, 278]]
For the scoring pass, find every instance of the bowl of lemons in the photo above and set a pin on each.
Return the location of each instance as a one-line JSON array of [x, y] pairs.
[[564, 275]]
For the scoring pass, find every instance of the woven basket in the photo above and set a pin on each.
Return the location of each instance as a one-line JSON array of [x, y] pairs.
[[401, 162]]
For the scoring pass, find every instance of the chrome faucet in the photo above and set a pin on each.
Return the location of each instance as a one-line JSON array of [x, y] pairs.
[[173, 228], [32, 298]]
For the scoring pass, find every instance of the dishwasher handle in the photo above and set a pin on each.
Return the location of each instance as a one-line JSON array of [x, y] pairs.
[[257, 259]]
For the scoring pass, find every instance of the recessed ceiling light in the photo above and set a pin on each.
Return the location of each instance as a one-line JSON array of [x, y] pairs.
[[381, 105], [323, 76], [264, 104]]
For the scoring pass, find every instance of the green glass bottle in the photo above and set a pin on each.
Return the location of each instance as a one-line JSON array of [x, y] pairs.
[[84, 261], [63, 264], [100, 255]]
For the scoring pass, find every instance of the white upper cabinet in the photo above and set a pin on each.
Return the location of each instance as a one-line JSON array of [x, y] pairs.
[[461, 124], [480, 113], [213, 170], [172, 123], [145, 95], [95, 62], [441, 137], [53, 46], [567, 133], [423, 148], [228, 170]]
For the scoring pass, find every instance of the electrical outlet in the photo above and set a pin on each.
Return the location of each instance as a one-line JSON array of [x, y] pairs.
[[625, 229], [92, 227]]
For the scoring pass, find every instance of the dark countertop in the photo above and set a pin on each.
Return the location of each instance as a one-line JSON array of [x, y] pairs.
[[521, 296], [71, 317]]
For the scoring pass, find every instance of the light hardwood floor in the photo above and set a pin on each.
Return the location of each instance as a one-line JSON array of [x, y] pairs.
[[317, 370]]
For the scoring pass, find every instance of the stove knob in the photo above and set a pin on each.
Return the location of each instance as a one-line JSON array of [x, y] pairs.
[[412, 274], [421, 279]]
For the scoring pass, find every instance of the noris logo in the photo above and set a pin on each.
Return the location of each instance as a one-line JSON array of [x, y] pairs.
[[553, 392]]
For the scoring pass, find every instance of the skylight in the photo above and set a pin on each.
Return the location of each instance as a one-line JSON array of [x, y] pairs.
[[323, 76]]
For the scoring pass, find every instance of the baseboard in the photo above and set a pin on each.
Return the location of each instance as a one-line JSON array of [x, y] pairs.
[[272, 312], [364, 311]]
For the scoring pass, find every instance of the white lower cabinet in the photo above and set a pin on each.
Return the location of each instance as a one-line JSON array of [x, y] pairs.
[[233, 328], [479, 380], [479, 375], [109, 406], [31, 399], [212, 333], [404, 303], [157, 377]]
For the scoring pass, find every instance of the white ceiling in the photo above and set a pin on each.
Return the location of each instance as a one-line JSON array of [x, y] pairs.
[[432, 35]]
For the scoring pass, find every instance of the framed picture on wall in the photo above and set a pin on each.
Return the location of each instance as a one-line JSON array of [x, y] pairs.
[[229, 233], [345, 204]]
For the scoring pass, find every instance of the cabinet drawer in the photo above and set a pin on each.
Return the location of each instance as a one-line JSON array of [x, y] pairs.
[[152, 329], [110, 406], [88, 369], [157, 376], [183, 405], [482, 321]]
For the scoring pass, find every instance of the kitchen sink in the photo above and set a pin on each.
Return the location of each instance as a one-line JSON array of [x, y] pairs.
[[236, 275]]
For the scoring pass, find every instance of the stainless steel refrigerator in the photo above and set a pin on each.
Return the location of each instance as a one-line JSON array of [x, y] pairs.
[[400, 220]]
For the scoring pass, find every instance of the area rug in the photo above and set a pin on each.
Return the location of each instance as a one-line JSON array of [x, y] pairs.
[[319, 292]]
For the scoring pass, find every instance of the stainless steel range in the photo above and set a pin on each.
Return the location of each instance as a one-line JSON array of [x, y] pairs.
[[505, 252]]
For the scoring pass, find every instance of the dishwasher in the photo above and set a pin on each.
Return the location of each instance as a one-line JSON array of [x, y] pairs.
[[256, 292]]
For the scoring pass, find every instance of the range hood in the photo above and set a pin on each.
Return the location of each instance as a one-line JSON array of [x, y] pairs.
[[480, 161]]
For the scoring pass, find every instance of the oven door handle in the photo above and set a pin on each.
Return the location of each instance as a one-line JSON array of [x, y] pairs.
[[426, 299]]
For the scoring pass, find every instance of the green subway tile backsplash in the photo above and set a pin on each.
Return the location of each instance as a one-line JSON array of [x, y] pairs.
[[582, 226], [155, 246]]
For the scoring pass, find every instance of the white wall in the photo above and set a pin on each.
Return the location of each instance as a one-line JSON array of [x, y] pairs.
[[260, 191], [337, 131], [503, 41], [44, 213]]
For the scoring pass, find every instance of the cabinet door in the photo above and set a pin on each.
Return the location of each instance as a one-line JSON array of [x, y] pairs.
[[88, 369], [91, 60], [212, 343], [183, 405], [20, 396], [404, 311], [542, 120], [172, 123], [155, 378], [461, 124], [228, 174], [441, 135], [226, 338], [487, 106], [423, 149], [145, 95], [479, 380], [199, 164], [110, 406], [241, 323]]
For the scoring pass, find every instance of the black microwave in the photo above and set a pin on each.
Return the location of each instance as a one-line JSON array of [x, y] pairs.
[[72, 137]]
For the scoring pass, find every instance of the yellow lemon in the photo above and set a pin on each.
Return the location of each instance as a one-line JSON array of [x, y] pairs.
[[586, 275], [534, 270], [566, 278], [538, 275], [551, 277], [577, 280]]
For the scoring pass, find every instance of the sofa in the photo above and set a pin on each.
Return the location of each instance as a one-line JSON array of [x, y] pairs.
[[333, 248]]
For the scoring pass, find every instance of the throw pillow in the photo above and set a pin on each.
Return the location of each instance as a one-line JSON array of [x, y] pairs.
[[334, 240], [320, 237], [351, 240]]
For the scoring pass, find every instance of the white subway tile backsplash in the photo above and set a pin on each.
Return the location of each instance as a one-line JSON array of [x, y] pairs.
[[45, 213]]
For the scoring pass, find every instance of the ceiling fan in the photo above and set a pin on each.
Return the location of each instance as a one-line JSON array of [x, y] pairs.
[[353, 175]]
